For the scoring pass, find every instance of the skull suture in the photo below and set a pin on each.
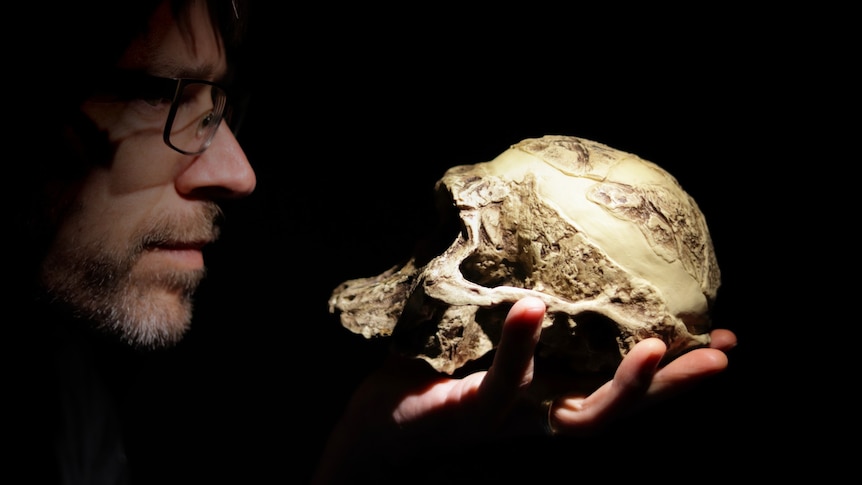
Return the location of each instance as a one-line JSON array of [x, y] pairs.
[[612, 244]]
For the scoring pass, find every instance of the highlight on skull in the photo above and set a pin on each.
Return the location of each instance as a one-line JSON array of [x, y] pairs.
[[612, 244]]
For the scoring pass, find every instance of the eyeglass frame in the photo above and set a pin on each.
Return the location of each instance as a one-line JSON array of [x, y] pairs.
[[128, 84], [175, 104]]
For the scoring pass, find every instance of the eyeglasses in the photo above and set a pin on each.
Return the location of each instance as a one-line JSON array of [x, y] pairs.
[[197, 107], [197, 110]]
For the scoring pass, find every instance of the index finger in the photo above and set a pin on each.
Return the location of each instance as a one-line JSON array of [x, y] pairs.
[[513, 365]]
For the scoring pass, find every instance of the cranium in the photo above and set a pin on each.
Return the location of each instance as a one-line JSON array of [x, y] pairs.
[[612, 244]]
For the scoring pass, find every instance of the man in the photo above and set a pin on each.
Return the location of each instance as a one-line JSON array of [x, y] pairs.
[[123, 204], [127, 253], [124, 201]]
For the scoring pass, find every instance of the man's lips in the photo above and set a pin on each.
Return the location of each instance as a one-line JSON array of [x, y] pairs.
[[186, 254]]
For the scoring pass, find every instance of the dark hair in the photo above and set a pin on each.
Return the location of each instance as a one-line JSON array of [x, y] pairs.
[[67, 43], [90, 36]]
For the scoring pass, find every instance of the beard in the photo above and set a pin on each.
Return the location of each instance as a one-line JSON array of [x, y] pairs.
[[145, 308]]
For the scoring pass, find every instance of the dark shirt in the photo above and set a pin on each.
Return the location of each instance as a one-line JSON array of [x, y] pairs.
[[62, 413]]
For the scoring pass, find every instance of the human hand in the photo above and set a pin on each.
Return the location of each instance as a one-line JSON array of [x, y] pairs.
[[638, 382], [512, 384], [406, 404]]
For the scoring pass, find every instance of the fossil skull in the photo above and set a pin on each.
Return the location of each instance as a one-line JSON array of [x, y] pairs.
[[612, 244]]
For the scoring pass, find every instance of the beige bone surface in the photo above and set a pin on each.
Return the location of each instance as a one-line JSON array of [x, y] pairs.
[[612, 244]]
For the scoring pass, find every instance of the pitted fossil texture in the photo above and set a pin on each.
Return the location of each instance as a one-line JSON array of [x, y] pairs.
[[612, 244]]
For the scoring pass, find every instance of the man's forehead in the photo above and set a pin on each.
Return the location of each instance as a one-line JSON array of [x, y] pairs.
[[189, 47]]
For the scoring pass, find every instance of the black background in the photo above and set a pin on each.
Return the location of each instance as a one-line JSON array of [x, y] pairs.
[[356, 113]]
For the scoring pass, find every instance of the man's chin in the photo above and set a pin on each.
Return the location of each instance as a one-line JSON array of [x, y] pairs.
[[156, 320], [147, 302], [153, 310]]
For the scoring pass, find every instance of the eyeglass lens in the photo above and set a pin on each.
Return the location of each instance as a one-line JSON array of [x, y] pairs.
[[199, 111]]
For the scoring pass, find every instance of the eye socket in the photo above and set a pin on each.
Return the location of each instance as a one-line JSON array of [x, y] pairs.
[[191, 109], [195, 115], [204, 124], [207, 120]]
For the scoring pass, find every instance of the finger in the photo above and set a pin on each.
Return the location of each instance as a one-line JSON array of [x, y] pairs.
[[686, 371], [631, 381], [512, 368], [722, 339]]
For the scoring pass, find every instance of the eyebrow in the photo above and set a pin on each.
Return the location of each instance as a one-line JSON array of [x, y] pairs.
[[171, 69]]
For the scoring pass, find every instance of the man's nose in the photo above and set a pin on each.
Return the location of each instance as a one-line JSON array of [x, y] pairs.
[[222, 169]]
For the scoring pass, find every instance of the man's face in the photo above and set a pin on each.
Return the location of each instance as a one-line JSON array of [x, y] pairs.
[[127, 253]]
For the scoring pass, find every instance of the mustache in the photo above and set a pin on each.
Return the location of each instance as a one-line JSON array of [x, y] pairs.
[[195, 229]]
